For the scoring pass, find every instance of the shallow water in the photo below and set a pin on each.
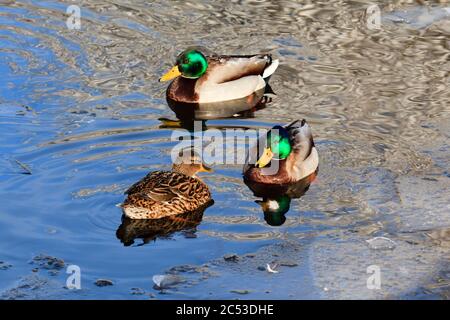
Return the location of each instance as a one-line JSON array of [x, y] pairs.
[[79, 115]]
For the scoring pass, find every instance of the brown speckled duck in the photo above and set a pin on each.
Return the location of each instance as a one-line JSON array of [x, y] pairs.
[[165, 193], [217, 78], [291, 148]]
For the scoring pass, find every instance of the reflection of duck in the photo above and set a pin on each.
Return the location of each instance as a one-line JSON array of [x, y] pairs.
[[166, 193], [277, 198], [201, 79], [150, 229], [289, 150], [200, 126], [237, 108], [275, 209]]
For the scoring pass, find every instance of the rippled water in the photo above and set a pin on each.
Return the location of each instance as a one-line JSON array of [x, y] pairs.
[[79, 123]]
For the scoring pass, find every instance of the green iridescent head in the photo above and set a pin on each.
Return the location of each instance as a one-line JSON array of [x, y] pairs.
[[278, 145], [278, 140], [191, 64]]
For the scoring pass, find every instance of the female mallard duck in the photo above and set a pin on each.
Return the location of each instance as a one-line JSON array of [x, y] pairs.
[[210, 79], [165, 193], [289, 150]]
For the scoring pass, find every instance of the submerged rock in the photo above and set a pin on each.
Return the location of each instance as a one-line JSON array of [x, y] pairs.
[[381, 243], [187, 268], [286, 263], [103, 282], [418, 17], [34, 287], [48, 262], [4, 265], [231, 257], [137, 291], [166, 281], [240, 291]]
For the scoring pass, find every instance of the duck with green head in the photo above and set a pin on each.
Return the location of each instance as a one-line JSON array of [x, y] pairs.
[[288, 148], [200, 78]]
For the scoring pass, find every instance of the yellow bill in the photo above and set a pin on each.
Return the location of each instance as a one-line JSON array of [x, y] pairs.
[[167, 123], [264, 205], [173, 73], [265, 158], [205, 169]]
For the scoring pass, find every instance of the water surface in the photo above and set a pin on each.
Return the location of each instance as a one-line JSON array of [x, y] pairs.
[[79, 123]]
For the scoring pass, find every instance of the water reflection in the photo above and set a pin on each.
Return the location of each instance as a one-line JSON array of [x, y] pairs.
[[276, 199], [244, 107], [190, 114], [151, 229], [77, 105]]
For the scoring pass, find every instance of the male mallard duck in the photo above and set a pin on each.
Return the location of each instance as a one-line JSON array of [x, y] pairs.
[[165, 193], [215, 78], [289, 150]]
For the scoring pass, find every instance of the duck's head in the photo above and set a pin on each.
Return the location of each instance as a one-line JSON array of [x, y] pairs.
[[189, 163], [278, 146], [191, 64], [281, 141], [275, 209]]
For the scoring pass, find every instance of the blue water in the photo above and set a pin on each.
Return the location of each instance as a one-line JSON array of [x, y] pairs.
[[79, 123]]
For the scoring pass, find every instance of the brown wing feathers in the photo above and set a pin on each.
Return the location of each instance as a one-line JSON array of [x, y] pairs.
[[166, 193]]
